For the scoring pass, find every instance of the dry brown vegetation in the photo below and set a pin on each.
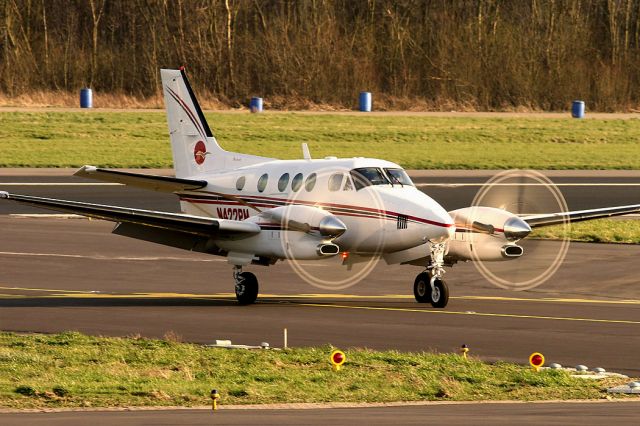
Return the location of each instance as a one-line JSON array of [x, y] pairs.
[[413, 54]]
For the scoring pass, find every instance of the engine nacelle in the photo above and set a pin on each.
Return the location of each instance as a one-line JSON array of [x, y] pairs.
[[482, 247], [486, 233], [306, 219], [291, 232]]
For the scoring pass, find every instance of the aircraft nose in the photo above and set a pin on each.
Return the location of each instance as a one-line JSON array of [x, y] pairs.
[[445, 228]]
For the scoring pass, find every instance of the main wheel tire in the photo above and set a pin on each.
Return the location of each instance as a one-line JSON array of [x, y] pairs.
[[422, 288], [247, 288], [439, 296]]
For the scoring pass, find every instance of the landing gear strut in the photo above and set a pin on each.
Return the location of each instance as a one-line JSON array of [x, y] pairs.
[[246, 286], [429, 286]]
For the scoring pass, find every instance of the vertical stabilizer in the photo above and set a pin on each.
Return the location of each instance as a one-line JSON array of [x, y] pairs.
[[195, 150]]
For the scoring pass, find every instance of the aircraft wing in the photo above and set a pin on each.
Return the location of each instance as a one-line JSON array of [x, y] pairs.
[[149, 220], [152, 182], [536, 221]]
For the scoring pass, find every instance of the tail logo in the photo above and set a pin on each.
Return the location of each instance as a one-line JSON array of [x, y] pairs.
[[200, 152]]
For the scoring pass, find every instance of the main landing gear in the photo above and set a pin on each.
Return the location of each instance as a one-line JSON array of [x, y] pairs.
[[429, 287], [246, 286]]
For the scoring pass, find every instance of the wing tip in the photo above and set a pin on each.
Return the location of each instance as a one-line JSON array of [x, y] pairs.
[[4, 194], [86, 169]]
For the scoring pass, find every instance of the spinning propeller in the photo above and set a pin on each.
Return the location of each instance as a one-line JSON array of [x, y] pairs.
[[523, 193], [334, 272]]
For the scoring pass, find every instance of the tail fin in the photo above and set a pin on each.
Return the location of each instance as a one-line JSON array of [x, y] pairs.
[[195, 149]]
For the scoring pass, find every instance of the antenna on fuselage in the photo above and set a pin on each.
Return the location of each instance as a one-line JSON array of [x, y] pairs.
[[305, 151]]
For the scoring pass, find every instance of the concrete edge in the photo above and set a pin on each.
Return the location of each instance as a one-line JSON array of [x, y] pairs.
[[68, 171], [30, 171], [633, 114], [312, 406]]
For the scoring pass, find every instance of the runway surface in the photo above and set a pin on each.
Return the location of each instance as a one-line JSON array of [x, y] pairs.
[[451, 414], [72, 274], [452, 189]]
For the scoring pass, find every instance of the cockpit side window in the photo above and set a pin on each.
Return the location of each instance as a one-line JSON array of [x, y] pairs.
[[366, 176], [335, 182], [348, 186], [398, 176]]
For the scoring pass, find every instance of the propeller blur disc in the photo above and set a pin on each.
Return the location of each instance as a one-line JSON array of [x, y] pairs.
[[342, 270], [523, 192]]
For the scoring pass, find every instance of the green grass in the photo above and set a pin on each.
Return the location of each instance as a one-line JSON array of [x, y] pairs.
[[71, 369], [139, 139], [596, 231]]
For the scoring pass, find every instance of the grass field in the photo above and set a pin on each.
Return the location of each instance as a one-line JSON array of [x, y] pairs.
[[139, 139], [72, 369], [595, 231]]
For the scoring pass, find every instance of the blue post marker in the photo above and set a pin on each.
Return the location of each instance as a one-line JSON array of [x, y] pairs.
[[255, 105], [577, 109], [365, 101], [86, 98]]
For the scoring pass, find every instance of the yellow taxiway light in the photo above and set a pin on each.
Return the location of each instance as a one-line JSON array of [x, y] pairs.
[[464, 349], [536, 360], [215, 396], [337, 359]]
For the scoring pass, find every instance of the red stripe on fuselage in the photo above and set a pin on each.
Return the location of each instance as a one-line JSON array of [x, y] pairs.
[[357, 210]]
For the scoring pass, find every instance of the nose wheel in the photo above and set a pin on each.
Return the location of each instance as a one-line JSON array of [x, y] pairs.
[[437, 295], [246, 287]]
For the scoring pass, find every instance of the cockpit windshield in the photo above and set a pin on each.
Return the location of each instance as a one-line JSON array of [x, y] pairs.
[[366, 176], [399, 176]]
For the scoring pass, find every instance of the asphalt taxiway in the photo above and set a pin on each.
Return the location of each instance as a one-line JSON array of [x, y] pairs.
[[72, 274], [571, 413], [452, 189]]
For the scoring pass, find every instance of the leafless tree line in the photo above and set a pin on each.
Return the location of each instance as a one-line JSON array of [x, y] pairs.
[[441, 54]]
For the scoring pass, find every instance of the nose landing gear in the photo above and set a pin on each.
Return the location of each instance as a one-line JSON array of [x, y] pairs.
[[437, 295], [429, 286], [246, 286]]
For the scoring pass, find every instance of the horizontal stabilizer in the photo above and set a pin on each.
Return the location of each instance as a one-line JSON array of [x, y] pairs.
[[152, 182]]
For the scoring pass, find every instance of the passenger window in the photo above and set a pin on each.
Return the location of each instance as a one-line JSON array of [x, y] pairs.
[[240, 183], [283, 182], [296, 183], [262, 182], [335, 182], [310, 182]]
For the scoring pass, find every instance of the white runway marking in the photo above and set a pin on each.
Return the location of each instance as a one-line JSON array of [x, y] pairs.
[[47, 216], [441, 184], [98, 257], [59, 184], [456, 185]]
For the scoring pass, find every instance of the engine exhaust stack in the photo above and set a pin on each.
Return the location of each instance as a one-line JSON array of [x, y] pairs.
[[511, 251], [328, 249]]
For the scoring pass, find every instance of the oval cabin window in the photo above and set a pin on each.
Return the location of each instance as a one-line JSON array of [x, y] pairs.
[[296, 182], [240, 183], [262, 182], [283, 182], [310, 182]]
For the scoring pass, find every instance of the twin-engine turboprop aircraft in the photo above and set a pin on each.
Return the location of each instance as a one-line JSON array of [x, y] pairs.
[[257, 210]]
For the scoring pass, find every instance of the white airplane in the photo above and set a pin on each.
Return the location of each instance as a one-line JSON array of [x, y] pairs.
[[256, 210]]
